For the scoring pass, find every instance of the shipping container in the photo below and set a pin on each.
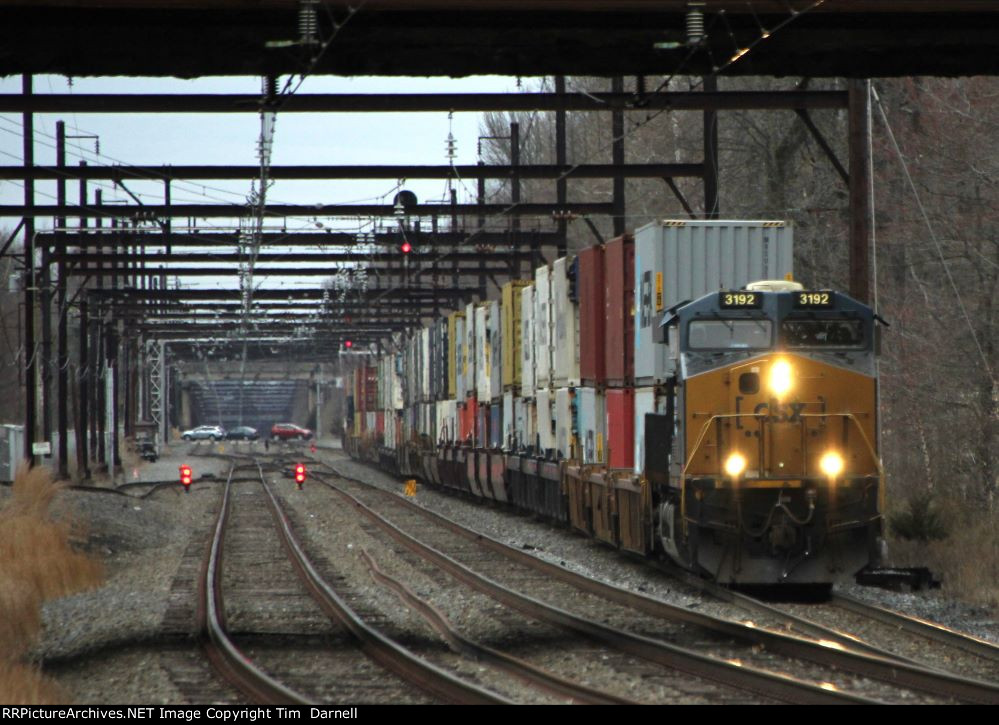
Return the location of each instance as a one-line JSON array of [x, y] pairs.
[[566, 424], [468, 357], [468, 415], [590, 282], [647, 401], [459, 356], [482, 426], [545, 421], [447, 421], [592, 424], [494, 350], [685, 259], [454, 333], [565, 324], [527, 346], [425, 364], [542, 328], [482, 353], [509, 421], [525, 424], [496, 424], [619, 311], [620, 403], [512, 335]]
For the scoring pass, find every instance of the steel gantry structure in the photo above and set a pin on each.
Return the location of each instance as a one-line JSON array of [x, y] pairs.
[[116, 267]]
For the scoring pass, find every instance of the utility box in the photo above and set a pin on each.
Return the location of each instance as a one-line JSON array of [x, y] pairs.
[[680, 260]]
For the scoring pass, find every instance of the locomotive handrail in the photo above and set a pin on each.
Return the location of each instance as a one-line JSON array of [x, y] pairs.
[[761, 418]]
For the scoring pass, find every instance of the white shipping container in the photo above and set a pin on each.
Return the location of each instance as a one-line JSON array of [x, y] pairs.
[[565, 328], [566, 424], [542, 327], [396, 400], [388, 434], [509, 421], [527, 342], [447, 421], [685, 259], [482, 353], [459, 358], [494, 354], [469, 357], [425, 364], [592, 424], [545, 422], [525, 422], [646, 401]]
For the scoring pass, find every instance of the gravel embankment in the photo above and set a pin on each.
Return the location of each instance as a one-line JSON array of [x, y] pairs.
[[142, 543]]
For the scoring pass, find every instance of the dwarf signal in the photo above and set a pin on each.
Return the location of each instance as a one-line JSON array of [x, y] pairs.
[[186, 477], [406, 247], [299, 474]]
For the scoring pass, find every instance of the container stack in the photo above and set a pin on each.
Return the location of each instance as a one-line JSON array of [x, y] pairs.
[[566, 365]]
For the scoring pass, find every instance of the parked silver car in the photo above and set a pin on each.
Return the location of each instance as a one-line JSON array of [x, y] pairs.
[[204, 432]]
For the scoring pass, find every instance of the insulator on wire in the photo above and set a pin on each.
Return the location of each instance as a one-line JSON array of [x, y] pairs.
[[308, 22], [695, 23]]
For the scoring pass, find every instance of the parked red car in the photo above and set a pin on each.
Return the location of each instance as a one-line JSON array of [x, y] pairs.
[[289, 431]]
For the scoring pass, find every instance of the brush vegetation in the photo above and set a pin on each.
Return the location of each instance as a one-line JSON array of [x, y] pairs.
[[37, 563], [959, 545]]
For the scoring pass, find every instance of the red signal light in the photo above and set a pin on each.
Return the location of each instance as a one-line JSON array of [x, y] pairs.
[[185, 476], [406, 247], [299, 474], [348, 344]]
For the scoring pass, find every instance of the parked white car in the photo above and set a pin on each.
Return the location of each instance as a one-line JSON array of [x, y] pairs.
[[204, 432]]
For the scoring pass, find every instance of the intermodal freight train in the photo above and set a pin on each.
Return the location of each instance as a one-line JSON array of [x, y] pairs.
[[648, 394]]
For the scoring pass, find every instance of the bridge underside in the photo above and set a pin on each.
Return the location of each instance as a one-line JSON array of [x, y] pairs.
[[847, 38]]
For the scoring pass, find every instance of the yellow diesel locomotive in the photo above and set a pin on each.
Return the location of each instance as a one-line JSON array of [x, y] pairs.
[[766, 470]]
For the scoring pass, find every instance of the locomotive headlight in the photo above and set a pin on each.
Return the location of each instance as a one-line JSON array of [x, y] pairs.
[[831, 464], [780, 377], [735, 464]]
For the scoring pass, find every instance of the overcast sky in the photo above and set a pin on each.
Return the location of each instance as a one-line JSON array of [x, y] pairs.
[[231, 139]]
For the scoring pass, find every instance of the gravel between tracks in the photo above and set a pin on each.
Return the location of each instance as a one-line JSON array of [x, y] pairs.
[[142, 541], [589, 557]]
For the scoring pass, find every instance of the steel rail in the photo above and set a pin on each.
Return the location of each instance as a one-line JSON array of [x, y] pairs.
[[228, 660], [779, 687], [825, 647], [465, 646], [921, 627], [380, 648]]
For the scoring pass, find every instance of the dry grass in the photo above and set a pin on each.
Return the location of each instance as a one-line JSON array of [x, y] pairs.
[[967, 560], [26, 685], [36, 563]]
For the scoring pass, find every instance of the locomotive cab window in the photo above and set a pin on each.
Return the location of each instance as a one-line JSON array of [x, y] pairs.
[[739, 334], [823, 333]]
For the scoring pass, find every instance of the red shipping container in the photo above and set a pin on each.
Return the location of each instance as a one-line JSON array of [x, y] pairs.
[[590, 286], [619, 280], [379, 422], [620, 427], [468, 419]]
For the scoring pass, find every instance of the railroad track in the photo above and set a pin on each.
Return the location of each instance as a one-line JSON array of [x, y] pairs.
[[827, 648], [268, 620], [735, 646]]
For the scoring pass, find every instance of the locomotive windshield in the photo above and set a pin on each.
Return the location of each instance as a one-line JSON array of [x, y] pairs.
[[822, 333], [741, 334]]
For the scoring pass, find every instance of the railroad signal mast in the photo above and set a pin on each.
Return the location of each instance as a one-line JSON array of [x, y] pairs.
[[185, 477]]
